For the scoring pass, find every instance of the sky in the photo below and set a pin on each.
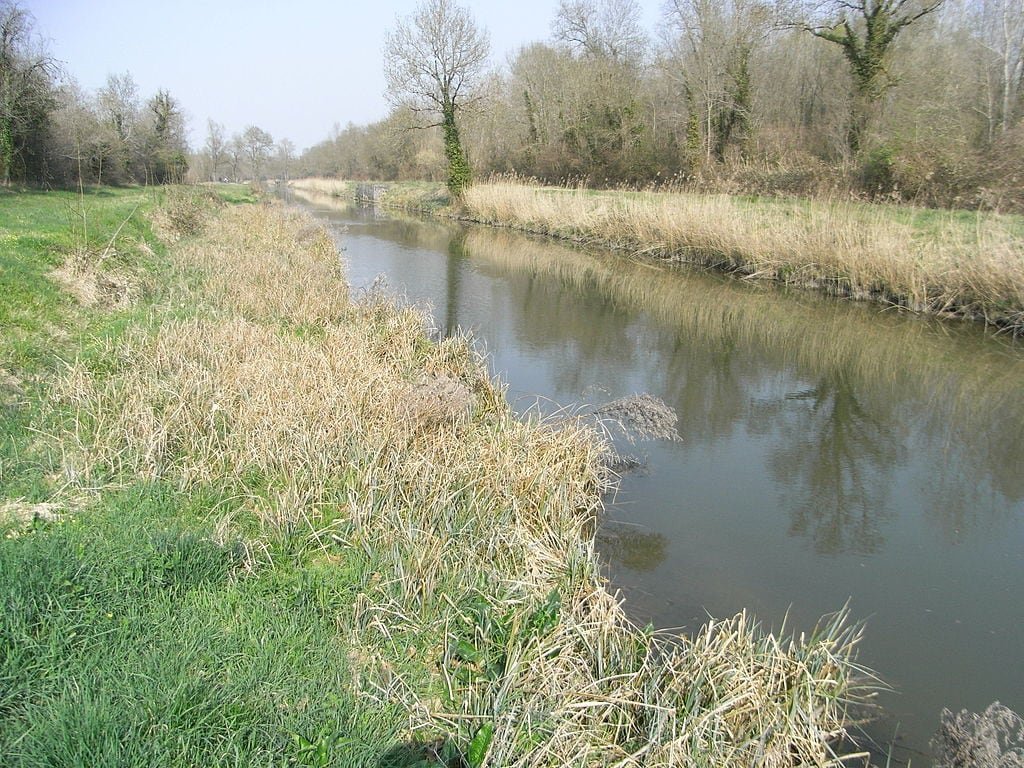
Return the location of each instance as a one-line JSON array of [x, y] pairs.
[[295, 68]]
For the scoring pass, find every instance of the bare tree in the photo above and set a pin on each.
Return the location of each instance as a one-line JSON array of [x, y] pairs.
[[865, 31], [434, 60], [118, 102], [285, 155], [708, 46], [1001, 25], [601, 29], [236, 156], [257, 143], [216, 147]]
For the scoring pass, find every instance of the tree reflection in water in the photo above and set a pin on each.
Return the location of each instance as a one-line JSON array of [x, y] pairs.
[[840, 456]]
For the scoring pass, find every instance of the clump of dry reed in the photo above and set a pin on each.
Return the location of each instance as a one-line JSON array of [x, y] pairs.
[[346, 428], [846, 248], [332, 187]]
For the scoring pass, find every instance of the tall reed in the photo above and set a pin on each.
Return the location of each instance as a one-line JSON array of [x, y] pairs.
[[935, 264]]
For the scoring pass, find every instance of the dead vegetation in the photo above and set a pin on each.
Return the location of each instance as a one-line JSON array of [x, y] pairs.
[[990, 739], [86, 276], [642, 416], [939, 265]]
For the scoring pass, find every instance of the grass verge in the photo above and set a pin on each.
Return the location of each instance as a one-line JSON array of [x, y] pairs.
[[282, 526]]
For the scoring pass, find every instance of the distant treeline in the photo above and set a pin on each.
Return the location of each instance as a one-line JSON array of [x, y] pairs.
[[742, 96], [54, 133]]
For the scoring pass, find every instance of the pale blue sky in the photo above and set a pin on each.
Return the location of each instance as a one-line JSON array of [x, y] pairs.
[[293, 68]]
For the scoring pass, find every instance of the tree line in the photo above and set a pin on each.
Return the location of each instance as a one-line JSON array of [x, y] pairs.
[[250, 155], [54, 133], [914, 100]]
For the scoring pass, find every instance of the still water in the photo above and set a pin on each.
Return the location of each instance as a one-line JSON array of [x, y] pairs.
[[831, 453]]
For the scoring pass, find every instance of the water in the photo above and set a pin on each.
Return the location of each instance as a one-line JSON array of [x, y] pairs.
[[831, 453]]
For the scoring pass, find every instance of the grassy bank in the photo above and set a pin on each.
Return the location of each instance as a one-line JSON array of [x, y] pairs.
[[248, 520], [963, 265], [951, 263]]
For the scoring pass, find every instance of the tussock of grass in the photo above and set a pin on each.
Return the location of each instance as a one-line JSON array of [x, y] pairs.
[[942, 266], [344, 436]]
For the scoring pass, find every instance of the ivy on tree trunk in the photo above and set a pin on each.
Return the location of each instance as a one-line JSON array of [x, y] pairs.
[[459, 175]]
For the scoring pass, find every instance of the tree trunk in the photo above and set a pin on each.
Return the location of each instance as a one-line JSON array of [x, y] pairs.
[[459, 175]]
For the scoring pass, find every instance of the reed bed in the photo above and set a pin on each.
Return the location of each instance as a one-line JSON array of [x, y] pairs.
[[944, 266], [480, 607], [332, 187], [422, 196]]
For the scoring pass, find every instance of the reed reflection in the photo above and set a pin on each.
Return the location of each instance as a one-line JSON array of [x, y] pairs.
[[632, 547]]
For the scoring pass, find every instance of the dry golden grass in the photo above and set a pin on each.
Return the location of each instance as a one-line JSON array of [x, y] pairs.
[[333, 187], [845, 248], [346, 427]]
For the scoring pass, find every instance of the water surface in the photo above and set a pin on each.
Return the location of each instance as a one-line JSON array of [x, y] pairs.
[[831, 452]]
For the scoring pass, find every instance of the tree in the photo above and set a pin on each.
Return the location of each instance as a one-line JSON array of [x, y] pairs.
[[26, 93], [434, 59], [257, 144], [1002, 34], [709, 45], [602, 28], [865, 31], [236, 156], [165, 147], [216, 147], [118, 102], [285, 155]]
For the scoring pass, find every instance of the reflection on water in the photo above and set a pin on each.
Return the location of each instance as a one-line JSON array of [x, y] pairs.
[[830, 451], [631, 547], [867, 378], [836, 462]]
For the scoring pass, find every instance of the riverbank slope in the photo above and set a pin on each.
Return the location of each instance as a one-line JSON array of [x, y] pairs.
[[248, 519], [952, 263]]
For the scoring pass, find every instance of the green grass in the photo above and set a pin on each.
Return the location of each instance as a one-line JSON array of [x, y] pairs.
[[235, 194], [42, 325], [129, 637]]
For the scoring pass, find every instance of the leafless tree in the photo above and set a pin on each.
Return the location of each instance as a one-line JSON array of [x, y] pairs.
[[257, 144], [433, 61], [601, 29], [285, 155], [119, 106], [236, 156], [216, 147], [1001, 25], [708, 46]]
